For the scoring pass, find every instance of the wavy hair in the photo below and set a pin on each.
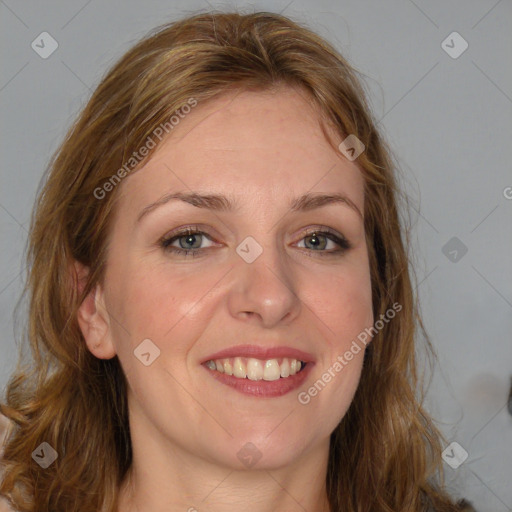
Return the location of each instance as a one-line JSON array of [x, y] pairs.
[[385, 455]]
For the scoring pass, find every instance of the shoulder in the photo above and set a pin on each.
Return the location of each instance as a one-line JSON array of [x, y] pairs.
[[5, 428], [4, 506]]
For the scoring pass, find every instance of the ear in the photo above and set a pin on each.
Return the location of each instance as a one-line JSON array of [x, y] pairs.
[[93, 317]]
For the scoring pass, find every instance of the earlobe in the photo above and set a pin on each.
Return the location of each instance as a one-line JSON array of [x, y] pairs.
[[93, 319]]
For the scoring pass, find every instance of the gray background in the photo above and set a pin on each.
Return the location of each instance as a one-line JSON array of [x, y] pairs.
[[447, 119]]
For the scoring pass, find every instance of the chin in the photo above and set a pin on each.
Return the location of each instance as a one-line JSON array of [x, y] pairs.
[[263, 451]]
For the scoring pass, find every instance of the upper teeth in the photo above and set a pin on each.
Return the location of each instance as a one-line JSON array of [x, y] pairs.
[[256, 369]]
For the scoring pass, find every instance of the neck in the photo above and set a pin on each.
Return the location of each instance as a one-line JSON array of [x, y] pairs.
[[228, 491], [176, 480]]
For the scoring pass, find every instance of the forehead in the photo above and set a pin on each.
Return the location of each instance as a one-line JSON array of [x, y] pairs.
[[263, 146]]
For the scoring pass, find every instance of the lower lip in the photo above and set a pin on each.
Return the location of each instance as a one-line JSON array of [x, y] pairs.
[[263, 388]]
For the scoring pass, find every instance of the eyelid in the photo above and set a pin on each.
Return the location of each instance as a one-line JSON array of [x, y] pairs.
[[193, 229], [200, 229], [177, 233]]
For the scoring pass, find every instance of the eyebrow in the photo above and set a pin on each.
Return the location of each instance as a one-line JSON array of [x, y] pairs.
[[221, 203]]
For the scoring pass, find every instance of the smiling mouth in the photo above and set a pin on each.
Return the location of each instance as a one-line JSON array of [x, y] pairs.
[[257, 369]]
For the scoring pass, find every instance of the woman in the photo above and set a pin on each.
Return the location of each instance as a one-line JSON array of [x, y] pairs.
[[221, 310]]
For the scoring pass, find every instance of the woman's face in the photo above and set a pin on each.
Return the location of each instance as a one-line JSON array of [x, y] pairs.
[[256, 279]]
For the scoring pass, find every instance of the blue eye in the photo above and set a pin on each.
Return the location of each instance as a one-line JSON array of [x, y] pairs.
[[189, 241], [316, 238]]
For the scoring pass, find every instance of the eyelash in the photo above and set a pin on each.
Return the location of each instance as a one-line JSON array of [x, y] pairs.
[[341, 241]]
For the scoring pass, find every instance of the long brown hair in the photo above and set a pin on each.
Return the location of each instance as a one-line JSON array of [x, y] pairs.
[[385, 455]]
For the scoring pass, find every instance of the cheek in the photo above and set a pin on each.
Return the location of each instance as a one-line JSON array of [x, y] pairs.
[[160, 305], [342, 303], [167, 309]]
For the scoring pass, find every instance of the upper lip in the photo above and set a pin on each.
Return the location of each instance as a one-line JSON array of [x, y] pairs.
[[259, 352]]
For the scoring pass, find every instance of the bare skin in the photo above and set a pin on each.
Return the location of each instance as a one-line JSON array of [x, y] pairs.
[[262, 149]]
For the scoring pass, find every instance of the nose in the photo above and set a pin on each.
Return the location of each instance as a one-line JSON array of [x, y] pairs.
[[264, 291]]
